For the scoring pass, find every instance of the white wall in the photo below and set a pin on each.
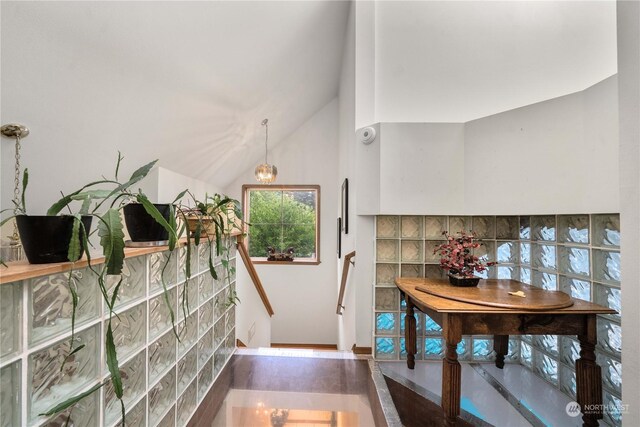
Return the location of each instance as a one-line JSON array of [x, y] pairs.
[[557, 156], [629, 85], [455, 61], [304, 296]]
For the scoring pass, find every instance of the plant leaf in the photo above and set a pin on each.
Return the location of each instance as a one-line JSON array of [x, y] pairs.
[[112, 362], [140, 173], [118, 164], [74, 244], [91, 194], [65, 200], [71, 401], [25, 182], [110, 230]]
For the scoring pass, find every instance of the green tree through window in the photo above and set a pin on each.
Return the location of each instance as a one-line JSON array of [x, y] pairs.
[[282, 218]]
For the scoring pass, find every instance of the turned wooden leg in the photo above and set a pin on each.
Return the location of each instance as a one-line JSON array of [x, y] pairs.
[[452, 332], [501, 347], [410, 335], [589, 377]]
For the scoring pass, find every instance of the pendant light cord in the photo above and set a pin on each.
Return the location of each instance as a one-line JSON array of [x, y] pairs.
[[265, 123]]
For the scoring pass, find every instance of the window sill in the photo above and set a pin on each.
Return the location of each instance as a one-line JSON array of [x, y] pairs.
[[263, 261]]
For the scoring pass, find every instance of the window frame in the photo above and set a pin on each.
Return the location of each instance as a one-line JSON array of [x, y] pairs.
[[246, 188]]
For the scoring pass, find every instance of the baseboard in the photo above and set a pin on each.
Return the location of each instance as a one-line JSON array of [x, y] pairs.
[[361, 350], [307, 346]]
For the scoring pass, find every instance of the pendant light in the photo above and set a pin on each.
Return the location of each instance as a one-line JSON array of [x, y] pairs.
[[266, 173]]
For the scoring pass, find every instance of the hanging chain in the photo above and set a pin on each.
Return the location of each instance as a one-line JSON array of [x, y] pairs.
[[15, 238], [266, 140]]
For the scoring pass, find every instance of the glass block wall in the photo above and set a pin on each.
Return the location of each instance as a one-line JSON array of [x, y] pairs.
[[577, 254], [164, 379]]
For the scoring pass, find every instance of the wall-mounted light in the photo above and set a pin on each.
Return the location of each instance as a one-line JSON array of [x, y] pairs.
[[266, 173]]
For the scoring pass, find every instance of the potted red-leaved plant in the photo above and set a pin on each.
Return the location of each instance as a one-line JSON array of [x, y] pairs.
[[456, 256]]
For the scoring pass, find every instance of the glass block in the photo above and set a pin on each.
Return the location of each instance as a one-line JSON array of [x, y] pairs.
[[386, 323], [526, 354], [169, 420], [430, 325], [386, 274], [525, 228], [570, 350], [430, 254], [483, 349], [507, 228], [606, 230], [205, 316], [434, 272], [403, 349], [525, 275], [386, 348], [459, 223], [434, 226], [576, 288], [218, 361], [130, 330], [231, 319], [546, 367], [162, 354], [387, 251], [50, 305], [611, 372], [134, 281], [418, 316], [219, 304], [137, 416], [609, 336], [10, 319], [205, 347], [606, 266], [10, 395], [206, 286], [83, 413], [548, 281], [484, 227], [387, 227], [160, 314], [513, 352], [204, 253], [574, 261], [187, 369], [230, 344], [507, 252], [508, 272], [411, 270], [188, 333], [187, 404], [568, 381], [182, 262], [549, 343], [219, 332], [161, 396], [134, 383], [47, 386], [543, 228], [609, 297], [486, 251], [205, 378], [433, 348], [411, 227], [573, 229], [464, 349], [543, 256], [525, 253], [411, 251], [218, 283], [614, 408], [187, 301], [162, 265]]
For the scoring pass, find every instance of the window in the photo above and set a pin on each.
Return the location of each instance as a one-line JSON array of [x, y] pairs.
[[283, 217]]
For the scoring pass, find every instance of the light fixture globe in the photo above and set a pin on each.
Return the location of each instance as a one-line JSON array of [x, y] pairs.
[[266, 173]]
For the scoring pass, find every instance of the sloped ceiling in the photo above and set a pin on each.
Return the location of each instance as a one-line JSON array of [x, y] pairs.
[[185, 82]]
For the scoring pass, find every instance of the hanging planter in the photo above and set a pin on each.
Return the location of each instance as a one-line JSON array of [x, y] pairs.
[[47, 238]]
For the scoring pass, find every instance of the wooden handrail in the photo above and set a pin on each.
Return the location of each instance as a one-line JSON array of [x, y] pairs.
[[244, 254], [343, 282]]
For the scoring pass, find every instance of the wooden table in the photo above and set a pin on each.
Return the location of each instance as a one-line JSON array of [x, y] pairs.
[[463, 318]]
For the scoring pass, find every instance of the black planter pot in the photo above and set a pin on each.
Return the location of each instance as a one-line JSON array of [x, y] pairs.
[[143, 227], [46, 238], [462, 281]]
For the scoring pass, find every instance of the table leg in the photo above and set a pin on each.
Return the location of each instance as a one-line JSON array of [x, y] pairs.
[[410, 334], [451, 370], [589, 377], [501, 347]]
